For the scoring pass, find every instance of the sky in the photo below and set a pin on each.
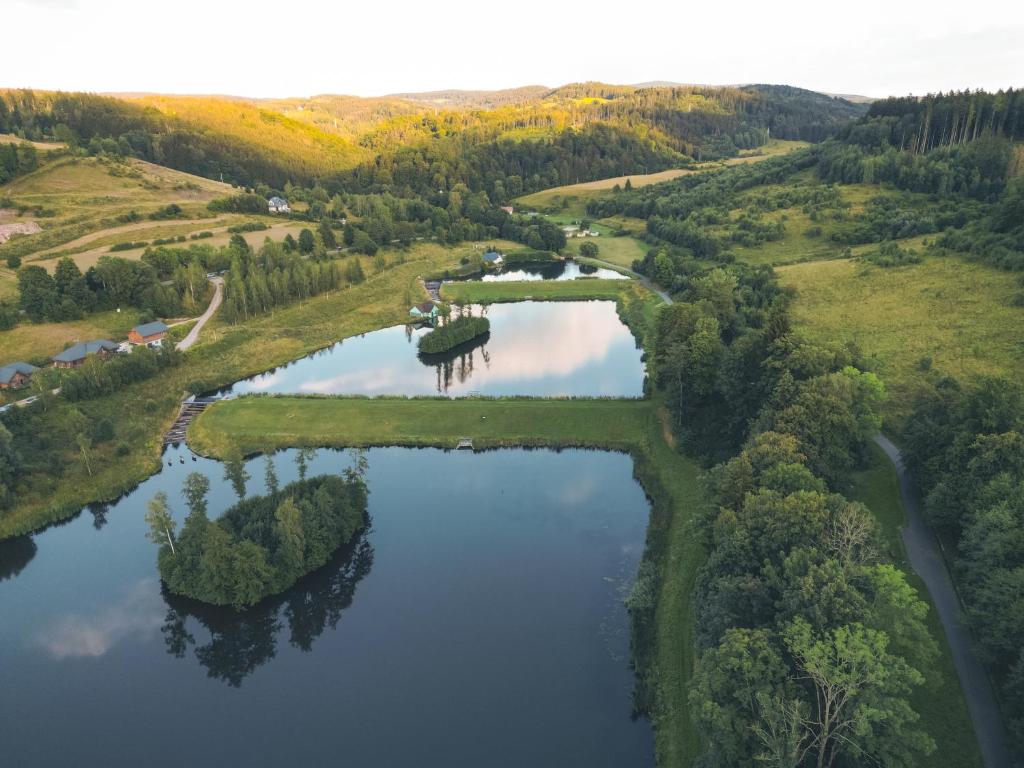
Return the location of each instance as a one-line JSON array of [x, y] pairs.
[[260, 48]]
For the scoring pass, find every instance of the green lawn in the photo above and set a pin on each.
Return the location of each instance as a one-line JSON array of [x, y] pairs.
[[940, 701], [945, 315], [617, 250], [479, 292]]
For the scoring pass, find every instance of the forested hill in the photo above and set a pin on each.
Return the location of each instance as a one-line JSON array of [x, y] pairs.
[[509, 143]]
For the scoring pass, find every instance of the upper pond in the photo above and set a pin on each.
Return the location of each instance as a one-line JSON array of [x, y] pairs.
[[479, 622], [559, 270], [543, 349]]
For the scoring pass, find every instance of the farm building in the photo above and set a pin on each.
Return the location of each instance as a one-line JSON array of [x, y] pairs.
[[72, 357], [508, 209], [16, 375], [493, 259], [425, 311], [278, 205], [150, 334]]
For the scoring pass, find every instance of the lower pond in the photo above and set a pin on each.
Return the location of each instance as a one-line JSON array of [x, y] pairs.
[[558, 270], [479, 621], [544, 349]]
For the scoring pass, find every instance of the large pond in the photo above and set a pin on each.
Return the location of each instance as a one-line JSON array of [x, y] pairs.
[[559, 270], [544, 349], [479, 622]]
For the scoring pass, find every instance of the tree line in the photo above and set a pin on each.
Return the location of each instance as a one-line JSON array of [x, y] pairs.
[[112, 283]]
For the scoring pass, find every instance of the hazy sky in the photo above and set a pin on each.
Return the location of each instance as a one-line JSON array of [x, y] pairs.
[[371, 47]]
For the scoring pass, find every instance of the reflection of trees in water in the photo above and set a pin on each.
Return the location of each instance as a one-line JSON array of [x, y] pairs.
[[240, 643], [15, 554], [98, 510], [457, 363]]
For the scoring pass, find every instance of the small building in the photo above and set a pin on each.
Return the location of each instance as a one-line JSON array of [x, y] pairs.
[[150, 334], [493, 259], [427, 310], [278, 205], [507, 209], [16, 375], [73, 357]]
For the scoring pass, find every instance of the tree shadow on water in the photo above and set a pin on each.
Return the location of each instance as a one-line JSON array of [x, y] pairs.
[[241, 642]]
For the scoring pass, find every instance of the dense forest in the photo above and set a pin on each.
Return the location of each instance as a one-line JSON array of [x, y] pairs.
[[575, 133]]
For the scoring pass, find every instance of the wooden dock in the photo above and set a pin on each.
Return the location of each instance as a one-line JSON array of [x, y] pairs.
[[465, 444], [189, 410], [433, 289]]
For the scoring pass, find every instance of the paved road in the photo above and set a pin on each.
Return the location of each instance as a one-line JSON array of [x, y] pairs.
[[218, 296], [926, 560]]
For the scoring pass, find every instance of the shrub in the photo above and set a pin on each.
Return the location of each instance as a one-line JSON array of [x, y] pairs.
[[453, 333]]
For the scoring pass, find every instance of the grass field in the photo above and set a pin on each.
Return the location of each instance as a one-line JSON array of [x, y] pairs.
[[944, 315], [75, 197], [617, 250], [940, 701], [276, 231], [38, 341], [479, 292], [573, 198]]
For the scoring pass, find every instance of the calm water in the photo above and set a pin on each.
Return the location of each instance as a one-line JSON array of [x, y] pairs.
[[535, 348], [478, 623], [562, 270]]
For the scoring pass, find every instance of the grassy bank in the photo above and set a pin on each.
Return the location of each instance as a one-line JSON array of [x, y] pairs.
[[540, 290], [665, 652]]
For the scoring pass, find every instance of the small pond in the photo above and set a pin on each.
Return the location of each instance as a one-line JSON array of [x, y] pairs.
[[542, 349], [560, 270], [479, 622]]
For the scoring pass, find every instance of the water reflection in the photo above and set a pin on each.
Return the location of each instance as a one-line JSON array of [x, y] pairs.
[[457, 364], [240, 643], [137, 614], [15, 554], [543, 349]]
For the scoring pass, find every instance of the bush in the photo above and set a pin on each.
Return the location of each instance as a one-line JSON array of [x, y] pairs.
[[891, 255], [127, 246], [247, 226], [244, 203], [13, 261]]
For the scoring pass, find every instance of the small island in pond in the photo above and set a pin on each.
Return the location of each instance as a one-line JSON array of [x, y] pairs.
[[262, 545], [453, 333]]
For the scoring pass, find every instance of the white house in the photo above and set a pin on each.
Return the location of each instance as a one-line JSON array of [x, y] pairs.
[[278, 205]]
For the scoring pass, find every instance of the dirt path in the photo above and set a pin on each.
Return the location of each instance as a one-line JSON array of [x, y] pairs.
[[218, 296], [926, 560]]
